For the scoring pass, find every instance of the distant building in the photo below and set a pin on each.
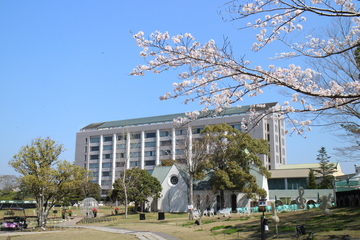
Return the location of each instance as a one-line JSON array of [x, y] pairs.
[[286, 180], [103, 147]]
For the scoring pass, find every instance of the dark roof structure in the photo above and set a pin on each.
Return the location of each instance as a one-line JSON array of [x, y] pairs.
[[169, 118]]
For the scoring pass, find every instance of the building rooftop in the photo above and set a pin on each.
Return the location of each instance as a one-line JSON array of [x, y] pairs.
[[300, 170], [166, 118], [303, 165], [160, 172]]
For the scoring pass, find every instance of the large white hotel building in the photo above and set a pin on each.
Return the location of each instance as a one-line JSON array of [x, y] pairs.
[[102, 147]]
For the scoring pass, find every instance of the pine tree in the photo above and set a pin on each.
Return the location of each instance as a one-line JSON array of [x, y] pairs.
[[325, 170], [311, 181]]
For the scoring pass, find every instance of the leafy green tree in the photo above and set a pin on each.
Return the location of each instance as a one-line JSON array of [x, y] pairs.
[[167, 162], [9, 195], [311, 181], [90, 189], [48, 178], [325, 170], [233, 155], [25, 193], [140, 185], [85, 190]]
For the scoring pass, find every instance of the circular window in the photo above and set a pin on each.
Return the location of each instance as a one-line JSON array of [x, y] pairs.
[[174, 180]]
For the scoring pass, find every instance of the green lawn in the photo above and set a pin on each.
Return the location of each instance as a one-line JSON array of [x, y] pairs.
[[344, 221]]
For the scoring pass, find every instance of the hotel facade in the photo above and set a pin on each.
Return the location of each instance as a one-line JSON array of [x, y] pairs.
[[106, 148]]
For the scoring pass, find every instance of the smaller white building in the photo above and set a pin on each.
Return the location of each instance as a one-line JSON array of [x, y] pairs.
[[174, 195]]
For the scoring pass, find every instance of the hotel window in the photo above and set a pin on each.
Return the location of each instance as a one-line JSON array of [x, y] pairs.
[[93, 165], [85, 157], [108, 147], [95, 174], [107, 156], [135, 136], [165, 152], [105, 182], [121, 146], [135, 154], [150, 144], [180, 151], [197, 130], [150, 163], [236, 126], [134, 164], [108, 139], [94, 139], [135, 145], [93, 157], [120, 164], [121, 137], [106, 165], [165, 143], [120, 155], [150, 153], [180, 132], [150, 134], [95, 148], [164, 134], [106, 174]]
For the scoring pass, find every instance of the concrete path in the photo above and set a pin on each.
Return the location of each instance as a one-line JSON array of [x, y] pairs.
[[139, 234], [142, 235]]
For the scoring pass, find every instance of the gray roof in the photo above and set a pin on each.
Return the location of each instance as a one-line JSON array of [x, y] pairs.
[[168, 118], [304, 165], [161, 172], [205, 184]]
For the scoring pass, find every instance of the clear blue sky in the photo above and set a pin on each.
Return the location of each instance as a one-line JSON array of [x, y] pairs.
[[65, 64]]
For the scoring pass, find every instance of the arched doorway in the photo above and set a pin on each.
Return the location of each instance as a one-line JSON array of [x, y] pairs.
[[233, 202]]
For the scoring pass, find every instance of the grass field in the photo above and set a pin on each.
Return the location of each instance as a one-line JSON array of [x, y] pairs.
[[344, 221]]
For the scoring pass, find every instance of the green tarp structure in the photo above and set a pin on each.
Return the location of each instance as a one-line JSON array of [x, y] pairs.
[[348, 185]]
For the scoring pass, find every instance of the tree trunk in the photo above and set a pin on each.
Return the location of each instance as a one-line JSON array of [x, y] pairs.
[[40, 213], [222, 199], [125, 196], [191, 197]]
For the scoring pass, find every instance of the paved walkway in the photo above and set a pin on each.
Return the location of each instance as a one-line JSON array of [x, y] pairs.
[[142, 235]]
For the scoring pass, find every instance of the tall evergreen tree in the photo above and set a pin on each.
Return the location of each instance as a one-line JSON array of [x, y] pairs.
[[311, 181], [325, 170]]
